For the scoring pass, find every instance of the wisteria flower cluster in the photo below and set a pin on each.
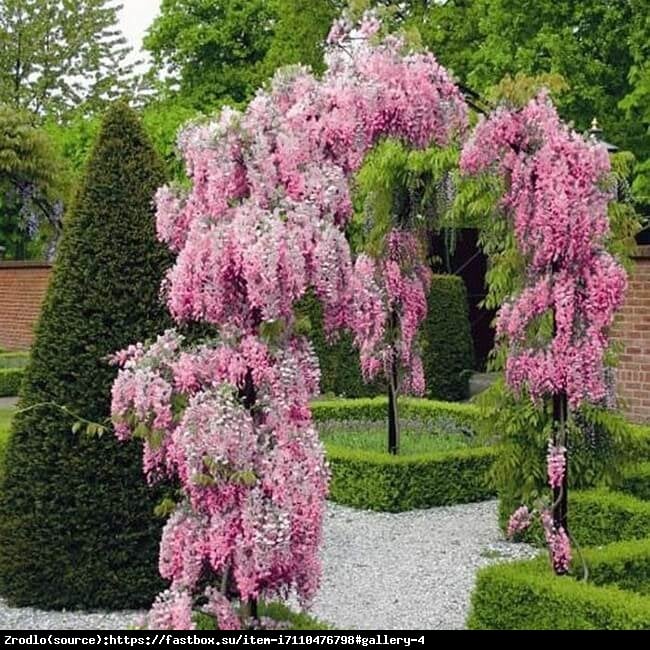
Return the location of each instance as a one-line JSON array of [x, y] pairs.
[[557, 539], [254, 480], [390, 303], [557, 197], [260, 225]]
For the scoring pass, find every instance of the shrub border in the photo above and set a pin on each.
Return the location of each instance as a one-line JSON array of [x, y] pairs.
[[375, 408], [526, 595], [10, 381], [375, 481]]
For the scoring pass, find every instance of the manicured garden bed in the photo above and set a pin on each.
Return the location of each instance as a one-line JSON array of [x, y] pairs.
[[527, 595], [375, 409], [439, 463]]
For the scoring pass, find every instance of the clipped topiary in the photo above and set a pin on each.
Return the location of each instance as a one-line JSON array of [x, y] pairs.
[[77, 527], [447, 355], [340, 368]]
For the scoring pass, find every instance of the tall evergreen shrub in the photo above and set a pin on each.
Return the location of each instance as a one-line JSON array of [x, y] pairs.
[[77, 527]]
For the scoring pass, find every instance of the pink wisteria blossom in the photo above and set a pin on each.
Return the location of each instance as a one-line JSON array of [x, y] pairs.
[[260, 225], [557, 198], [519, 521], [558, 543], [556, 464], [390, 304]]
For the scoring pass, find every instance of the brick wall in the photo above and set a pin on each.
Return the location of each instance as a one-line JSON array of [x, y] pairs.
[[22, 289], [632, 331]]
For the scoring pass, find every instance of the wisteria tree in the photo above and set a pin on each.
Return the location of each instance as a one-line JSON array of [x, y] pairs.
[[556, 196], [261, 225], [390, 294]]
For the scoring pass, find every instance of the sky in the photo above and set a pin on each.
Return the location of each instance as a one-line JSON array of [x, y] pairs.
[[135, 18]]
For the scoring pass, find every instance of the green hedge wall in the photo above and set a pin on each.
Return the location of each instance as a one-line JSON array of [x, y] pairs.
[[637, 482], [598, 517], [446, 347], [527, 596], [375, 481], [339, 362], [375, 409], [10, 381]]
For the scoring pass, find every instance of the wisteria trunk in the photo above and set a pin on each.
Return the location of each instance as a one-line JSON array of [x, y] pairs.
[[393, 415], [561, 493]]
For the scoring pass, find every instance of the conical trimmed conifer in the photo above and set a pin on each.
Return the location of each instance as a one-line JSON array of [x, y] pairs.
[[77, 527]]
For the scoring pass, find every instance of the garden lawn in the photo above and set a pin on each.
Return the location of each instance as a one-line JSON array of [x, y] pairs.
[[5, 423], [372, 436]]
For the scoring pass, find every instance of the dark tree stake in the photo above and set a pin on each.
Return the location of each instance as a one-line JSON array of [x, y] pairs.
[[560, 494], [393, 417]]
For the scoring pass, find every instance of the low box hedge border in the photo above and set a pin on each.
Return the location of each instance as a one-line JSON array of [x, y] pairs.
[[377, 481], [599, 517], [528, 596], [10, 381], [13, 359], [640, 441], [637, 481], [375, 409]]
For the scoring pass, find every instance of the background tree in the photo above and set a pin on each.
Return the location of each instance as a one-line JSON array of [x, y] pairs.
[[299, 33], [56, 55], [76, 518], [211, 50], [637, 102], [31, 189]]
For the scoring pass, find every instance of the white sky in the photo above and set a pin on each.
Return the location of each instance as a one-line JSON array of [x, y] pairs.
[[135, 18]]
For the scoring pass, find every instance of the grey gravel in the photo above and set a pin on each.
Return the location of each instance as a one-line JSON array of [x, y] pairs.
[[413, 570], [26, 618]]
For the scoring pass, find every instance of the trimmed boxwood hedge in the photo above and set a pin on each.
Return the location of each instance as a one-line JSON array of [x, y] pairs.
[[598, 517], [445, 336], [448, 351], [526, 595], [378, 481], [10, 381], [375, 409], [637, 482]]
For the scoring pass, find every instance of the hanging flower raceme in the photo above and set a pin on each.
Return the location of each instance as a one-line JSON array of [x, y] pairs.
[[259, 226], [557, 199], [390, 303]]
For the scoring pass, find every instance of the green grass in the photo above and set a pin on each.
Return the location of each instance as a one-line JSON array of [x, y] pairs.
[[5, 424], [373, 436], [13, 359]]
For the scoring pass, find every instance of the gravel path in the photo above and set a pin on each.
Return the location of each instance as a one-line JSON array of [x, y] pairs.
[[381, 571]]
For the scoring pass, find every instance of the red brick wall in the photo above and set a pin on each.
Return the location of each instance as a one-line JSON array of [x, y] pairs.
[[22, 289], [632, 331]]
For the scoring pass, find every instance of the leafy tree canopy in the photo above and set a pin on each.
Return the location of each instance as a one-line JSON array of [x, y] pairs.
[[58, 54], [31, 189]]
